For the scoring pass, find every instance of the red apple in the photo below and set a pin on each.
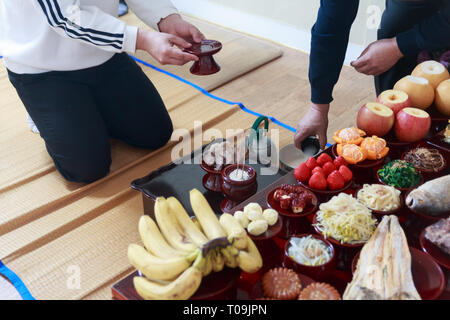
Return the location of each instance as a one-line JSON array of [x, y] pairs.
[[375, 119], [412, 124], [395, 99], [432, 70], [419, 90]]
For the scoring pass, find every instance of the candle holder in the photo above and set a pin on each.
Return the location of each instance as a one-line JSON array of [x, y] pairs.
[[206, 65]]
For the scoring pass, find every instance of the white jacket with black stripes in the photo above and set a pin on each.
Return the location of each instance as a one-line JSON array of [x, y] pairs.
[[62, 35]]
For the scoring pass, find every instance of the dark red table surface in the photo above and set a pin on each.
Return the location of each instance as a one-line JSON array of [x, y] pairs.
[[412, 225]]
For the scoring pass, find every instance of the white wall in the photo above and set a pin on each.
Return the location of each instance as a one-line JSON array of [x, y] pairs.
[[287, 22]]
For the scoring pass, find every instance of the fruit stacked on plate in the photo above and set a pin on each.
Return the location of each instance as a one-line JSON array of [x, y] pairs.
[[178, 251], [355, 148], [403, 108], [294, 198], [324, 173], [255, 219]]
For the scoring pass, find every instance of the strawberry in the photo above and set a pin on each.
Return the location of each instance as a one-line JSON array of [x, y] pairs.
[[323, 158], [328, 168], [318, 169], [318, 181], [302, 173], [311, 163], [335, 181], [339, 161], [346, 173]]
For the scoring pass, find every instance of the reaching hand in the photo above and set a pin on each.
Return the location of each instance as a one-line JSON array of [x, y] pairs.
[[174, 24], [162, 47], [315, 122], [378, 57]]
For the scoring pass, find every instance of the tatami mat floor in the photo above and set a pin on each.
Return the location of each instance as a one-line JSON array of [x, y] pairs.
[[48, 225]]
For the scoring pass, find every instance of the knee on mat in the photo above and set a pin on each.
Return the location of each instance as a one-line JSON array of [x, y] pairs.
[[87, 171], [155, 139]]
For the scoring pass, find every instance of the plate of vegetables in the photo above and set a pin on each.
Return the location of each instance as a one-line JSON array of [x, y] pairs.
[[400, 174]]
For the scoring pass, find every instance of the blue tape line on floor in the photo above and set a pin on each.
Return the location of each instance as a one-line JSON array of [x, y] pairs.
[[205, 92], [16, 282], [14, 279]]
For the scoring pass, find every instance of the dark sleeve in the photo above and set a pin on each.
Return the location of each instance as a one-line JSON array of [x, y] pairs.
[[430, 34], [329, 41]]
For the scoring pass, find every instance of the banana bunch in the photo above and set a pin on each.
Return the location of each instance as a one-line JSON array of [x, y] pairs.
[[179, 251]]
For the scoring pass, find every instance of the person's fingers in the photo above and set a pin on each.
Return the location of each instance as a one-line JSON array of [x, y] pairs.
[[197, 36], [359, 63], [299, 137], [323, 139], [180, 42], [173, 61], [180, 55], [367, 70]]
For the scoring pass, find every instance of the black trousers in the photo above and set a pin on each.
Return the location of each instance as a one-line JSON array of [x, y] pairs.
[[77, 113], [400, 16]]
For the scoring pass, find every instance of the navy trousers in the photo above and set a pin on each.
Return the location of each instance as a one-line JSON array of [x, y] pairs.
[[400, 16], [78, 112]]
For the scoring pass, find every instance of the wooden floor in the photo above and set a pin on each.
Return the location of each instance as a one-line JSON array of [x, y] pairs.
[[279, 88]]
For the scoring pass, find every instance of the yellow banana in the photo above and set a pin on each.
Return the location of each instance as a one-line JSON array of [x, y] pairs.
[[197, 224], [181, 288], [208, 266], [154, 267], [170, 227], [230, 257], [154, 241], [218, 261], [189, 227], [250, 261], [235, 232], [206, 216]]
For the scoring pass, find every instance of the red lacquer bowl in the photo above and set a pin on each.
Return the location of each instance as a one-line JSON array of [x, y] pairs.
[[366, 164], [205, 50], [334, 241], [435, 252], [427, 275], [209, 169], [293, 223], [427, 173], [380, 214], [326, 195], [403, 190], [319, 273], [310, 208], [212, 181]]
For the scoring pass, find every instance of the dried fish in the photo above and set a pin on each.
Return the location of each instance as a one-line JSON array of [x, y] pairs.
[[384, 267]]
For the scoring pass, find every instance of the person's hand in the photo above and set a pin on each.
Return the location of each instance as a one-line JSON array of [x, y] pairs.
[[378, 57], [174, 24], [315, 122], [161, 46]]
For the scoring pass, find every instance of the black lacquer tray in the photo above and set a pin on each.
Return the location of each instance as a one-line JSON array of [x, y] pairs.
[[177, 178]]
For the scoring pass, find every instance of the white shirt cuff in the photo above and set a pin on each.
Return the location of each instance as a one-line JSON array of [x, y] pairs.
[[129, 42]]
